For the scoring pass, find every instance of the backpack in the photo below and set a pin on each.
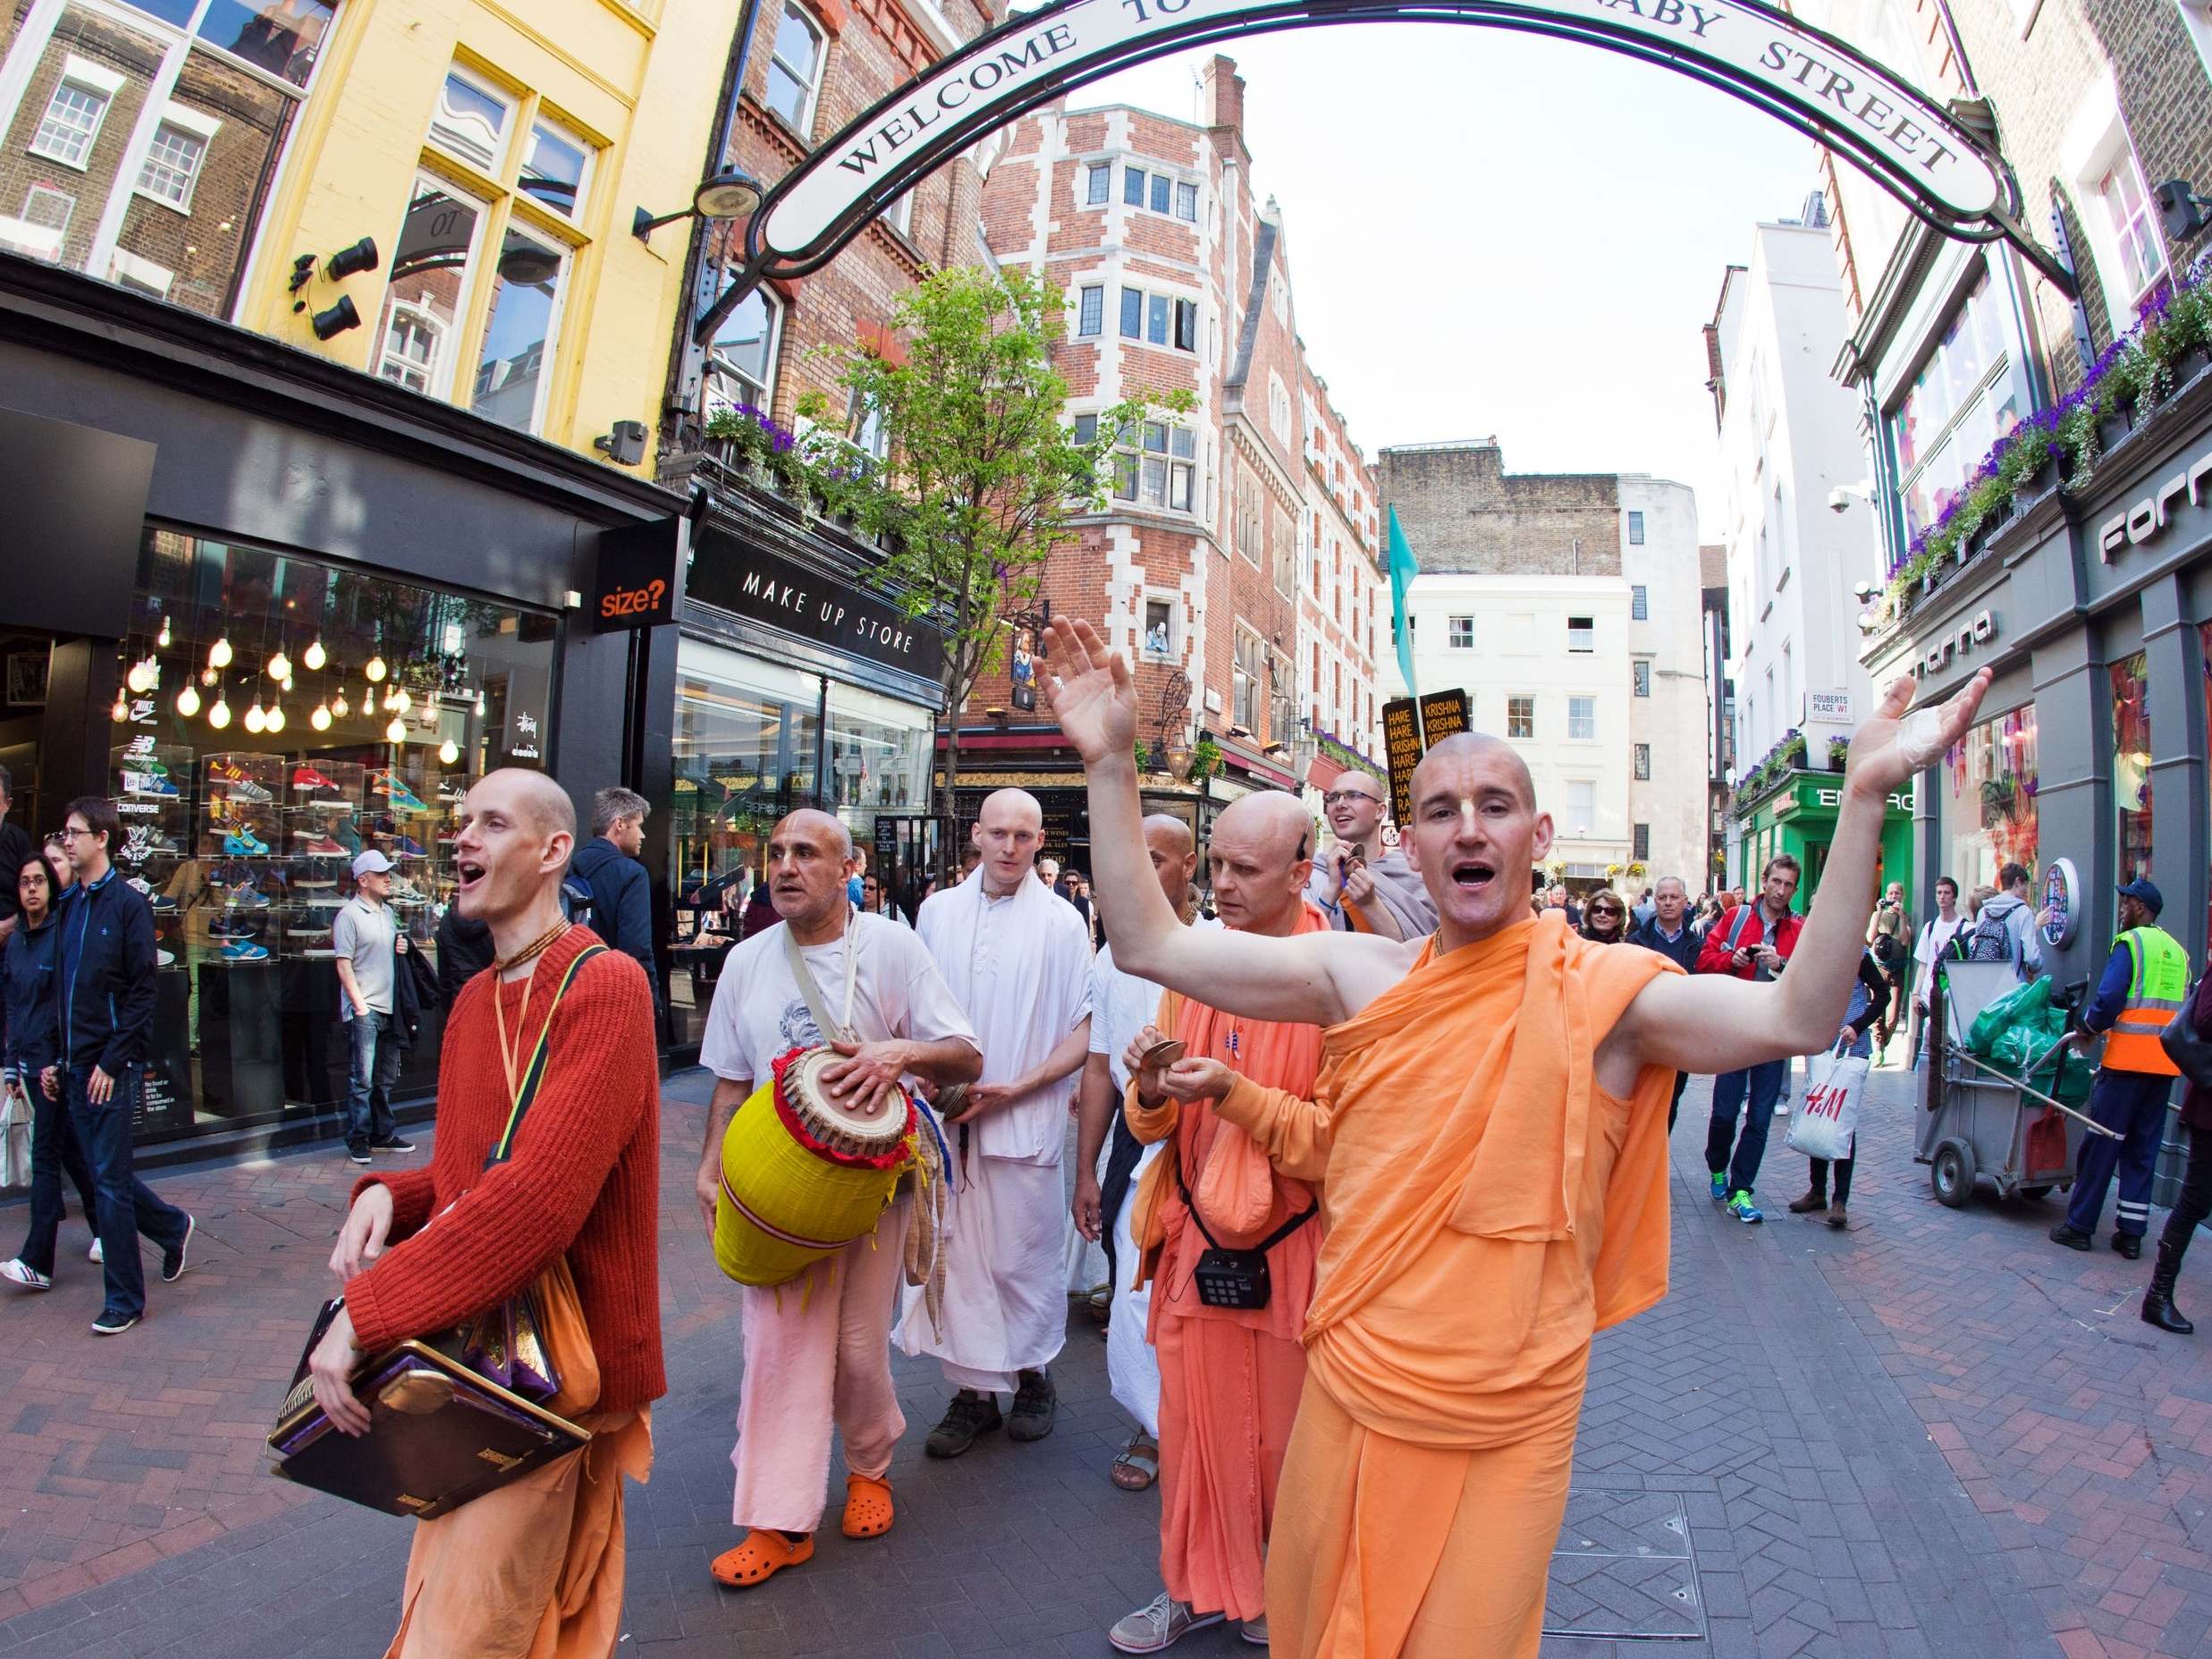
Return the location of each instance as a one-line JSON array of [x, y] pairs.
[[576, 899], [1989, 940]]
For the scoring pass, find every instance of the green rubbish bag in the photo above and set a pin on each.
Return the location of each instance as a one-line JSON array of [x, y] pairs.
[[2063, 1076], [2028, 1005]]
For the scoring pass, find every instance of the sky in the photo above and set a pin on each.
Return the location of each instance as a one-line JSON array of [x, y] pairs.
[[1491, 233]]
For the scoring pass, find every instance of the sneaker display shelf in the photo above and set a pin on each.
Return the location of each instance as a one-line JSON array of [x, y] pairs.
[[152, 784], [241, 817], [325, 801]]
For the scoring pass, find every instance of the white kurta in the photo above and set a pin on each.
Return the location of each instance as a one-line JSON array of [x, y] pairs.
[[1020, 967]]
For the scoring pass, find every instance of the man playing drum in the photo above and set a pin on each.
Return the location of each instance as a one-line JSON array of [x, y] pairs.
[[819, 1349], [1490, 1116], [1018, 959]]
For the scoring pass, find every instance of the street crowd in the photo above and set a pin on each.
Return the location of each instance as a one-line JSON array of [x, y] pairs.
[[1370, 1142]]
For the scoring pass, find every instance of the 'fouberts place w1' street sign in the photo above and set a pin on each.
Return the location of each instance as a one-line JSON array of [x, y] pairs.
[[1800, 75]]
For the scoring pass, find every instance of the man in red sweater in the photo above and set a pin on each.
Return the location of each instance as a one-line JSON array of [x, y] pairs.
[[535, 1566], [1749, 941]]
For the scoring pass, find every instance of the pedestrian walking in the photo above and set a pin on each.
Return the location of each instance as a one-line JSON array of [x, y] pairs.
[[14, 850], [536, 1565], [1669, 932], [103, 984], [1869, 994], [1887, 933], [1019, 964], [1110, 1162], [464, 946], [1932, 945], [2192, 1057], [2139, 991], [1605, 918], [31, 1044], [1750, 942], [620, 892], [817, 1356], [1361, 885], [2004, 928], [1473, 1247], [364, 936], [1231, 1374]]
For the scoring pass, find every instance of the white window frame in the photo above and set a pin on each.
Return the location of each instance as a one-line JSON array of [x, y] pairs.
[[1146, 296], [566, 253], [1097, 185], [718, 365], [472, 275], [804, 125], [422, 317], [1459, 633], [1521, 697], [134, 272], [574, 214], [1570, 827], [1173, 650], [504, 139], [31, 239], [200, 126], [1578, 705], [90, 79], [900, 216], [2096, 138], [1590, 632], [1082, 292]]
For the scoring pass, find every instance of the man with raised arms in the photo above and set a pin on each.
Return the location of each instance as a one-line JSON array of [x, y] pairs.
[[1018, 960], [1490, 1118]]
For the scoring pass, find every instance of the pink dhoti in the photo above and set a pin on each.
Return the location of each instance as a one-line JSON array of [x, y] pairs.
[[817, 1353]]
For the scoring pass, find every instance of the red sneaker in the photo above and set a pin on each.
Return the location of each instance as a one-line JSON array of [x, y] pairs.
[[308, 778]]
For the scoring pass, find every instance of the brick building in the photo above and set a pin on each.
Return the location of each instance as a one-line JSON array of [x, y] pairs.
[[1204, 565], [1568, 606]]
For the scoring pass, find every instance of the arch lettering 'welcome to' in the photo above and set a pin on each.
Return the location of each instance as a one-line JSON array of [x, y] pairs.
[[1902, 137]]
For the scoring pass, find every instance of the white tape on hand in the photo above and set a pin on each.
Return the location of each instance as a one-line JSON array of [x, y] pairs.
[[1919, 739]]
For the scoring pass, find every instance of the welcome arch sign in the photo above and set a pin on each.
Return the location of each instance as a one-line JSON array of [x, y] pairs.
[[1944, 171]]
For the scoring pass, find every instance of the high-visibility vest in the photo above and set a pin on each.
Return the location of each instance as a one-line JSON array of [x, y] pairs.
[[2156, 986]]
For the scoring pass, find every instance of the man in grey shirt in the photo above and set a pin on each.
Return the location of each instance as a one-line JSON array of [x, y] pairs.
[[366, 940]]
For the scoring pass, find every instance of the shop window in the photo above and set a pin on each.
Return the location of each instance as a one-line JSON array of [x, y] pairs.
[[556, 169], [244, 798], [1520, 716], [472, 119], [1098, 184], [795, 70], [1990, 815], [2130, 765], [1581, 634], [1090, 311], [880, 757], [1581, 719], [742, 365], [1460, 632], [1967, 394]]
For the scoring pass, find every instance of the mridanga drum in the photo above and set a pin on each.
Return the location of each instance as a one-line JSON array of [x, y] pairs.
[[804, 1174]]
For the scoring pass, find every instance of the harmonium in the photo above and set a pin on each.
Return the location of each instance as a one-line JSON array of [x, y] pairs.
[[440, 1433]]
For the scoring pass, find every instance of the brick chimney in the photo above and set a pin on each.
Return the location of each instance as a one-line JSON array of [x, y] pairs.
[[1222, 95]]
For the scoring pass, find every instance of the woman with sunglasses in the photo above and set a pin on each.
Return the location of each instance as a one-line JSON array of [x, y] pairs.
[[1605, 918]]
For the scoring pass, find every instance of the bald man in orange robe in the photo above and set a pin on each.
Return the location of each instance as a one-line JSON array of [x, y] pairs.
[[1230, 1378], [1491, 1120]]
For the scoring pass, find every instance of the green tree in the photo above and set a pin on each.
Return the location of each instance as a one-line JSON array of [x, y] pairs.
[[984, 479]]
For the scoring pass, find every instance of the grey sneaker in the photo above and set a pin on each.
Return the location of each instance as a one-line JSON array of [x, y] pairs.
[[1255, 1631], [1159, 1625]]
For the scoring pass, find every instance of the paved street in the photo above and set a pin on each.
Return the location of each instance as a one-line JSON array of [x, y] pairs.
[[1935, 1435]]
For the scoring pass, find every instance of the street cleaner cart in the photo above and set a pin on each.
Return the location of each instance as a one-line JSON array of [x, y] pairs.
[[2004, 1088]]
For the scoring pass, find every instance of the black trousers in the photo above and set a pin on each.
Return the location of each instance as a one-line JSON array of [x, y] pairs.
[[2195, 1202]]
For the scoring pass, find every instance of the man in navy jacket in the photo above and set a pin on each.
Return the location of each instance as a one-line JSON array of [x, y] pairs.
[[103, 981], [621, 893], [1668, 931]]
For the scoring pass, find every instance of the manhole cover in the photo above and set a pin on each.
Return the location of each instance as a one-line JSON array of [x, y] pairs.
[[1623, 1570]]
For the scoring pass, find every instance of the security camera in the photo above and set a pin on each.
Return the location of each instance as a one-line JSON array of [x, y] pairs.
[[1838, 499]]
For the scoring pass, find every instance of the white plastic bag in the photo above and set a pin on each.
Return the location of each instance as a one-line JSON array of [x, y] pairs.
[[15, 1115], [1824, 1125]]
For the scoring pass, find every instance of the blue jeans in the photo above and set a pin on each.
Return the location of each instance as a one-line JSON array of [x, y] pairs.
[[1764, 1083], [54, 1152], [375, 1068], [2134, 1103], [127, 1205]]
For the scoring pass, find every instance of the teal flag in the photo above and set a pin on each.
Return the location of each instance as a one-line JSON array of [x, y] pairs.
[[1404, 568]]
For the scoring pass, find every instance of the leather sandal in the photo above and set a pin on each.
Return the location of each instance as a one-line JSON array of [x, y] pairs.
[[868, 1513], [1138, 1464], [762, 1555]]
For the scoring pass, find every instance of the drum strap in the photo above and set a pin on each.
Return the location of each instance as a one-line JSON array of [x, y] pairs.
[[817, 1004]]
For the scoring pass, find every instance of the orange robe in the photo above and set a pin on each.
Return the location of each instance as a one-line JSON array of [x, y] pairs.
[[1229, 1379], [1489, 1208]]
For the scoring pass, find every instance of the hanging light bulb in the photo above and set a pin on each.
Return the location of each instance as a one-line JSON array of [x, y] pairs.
[[287, 682], [207, 676], [121, 712], [219, 717], [426, 716], [276, 717], [449, 752], [162, 639], [188, 700], [257, 717], [280, 666], [339, 706], [400, 702], [397, 730], [369, 699], [320, 718], [479, 699], [314, 656], [374, 667], [219, 653], [140, 679]]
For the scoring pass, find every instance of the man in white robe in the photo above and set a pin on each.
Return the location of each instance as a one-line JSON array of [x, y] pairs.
[[1018, 960]]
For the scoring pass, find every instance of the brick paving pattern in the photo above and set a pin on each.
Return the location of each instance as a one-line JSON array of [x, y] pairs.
[[1936, 1434]]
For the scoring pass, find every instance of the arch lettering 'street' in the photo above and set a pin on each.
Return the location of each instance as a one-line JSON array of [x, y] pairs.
[[1905, 140]]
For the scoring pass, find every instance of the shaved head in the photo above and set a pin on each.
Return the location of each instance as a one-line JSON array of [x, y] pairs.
[[1259, 858], [1477, 834], [1272, 820], [1172, 832], [1010, 806], [1009, 833], [1174, 853], [810, 854], [813, 822], [538, 797], [1469, 746]]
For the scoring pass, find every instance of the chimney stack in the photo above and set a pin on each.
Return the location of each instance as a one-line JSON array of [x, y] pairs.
[[1223, 94]]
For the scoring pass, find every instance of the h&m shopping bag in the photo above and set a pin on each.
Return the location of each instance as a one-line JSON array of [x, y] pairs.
[[1823, 1126]]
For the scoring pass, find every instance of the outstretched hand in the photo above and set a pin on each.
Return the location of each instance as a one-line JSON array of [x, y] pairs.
[[1093, 697], [1894, 745]]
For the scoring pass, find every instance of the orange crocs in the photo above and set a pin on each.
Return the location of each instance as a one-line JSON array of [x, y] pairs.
[[867, 1506], [762, 1555]]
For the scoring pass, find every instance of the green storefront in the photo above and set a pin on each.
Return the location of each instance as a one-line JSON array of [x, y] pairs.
[[1796, 815]]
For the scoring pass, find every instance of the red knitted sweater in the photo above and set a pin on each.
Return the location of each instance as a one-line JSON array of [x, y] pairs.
[[583, 1175]]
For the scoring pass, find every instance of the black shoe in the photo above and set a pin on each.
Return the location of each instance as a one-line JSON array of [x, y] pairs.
[[2158, 1309], [968, 1416], [2158, 1306], [172, 1261], [392, 1143], [1035, 1401], [359, 1155], [2073, 1238], [2129, 1244]]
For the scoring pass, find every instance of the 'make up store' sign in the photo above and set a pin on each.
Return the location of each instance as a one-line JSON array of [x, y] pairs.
[[794, 599]]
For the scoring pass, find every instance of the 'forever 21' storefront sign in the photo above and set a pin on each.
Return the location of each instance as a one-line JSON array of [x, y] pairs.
[[794, 599]]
